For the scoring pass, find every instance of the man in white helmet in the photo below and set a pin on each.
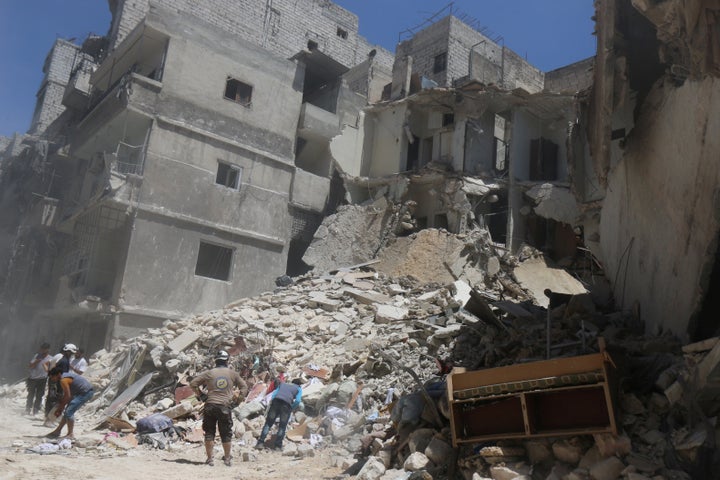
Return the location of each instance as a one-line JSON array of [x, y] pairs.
[[220, 382]]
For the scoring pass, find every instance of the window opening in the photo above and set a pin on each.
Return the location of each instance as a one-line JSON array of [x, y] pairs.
[[448, 119], [238, 91], [214, 261], [543, 159], [228, 175], [440, 63], [342, 33]]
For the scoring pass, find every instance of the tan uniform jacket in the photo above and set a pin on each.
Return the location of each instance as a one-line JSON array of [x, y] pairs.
[[220, 382]]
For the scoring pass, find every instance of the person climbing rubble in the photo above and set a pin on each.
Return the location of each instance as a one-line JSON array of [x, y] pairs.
[[220, 383], [77, 391], [285, 398]]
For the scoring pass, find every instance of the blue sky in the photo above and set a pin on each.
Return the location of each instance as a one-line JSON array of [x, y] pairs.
[[549, 33]]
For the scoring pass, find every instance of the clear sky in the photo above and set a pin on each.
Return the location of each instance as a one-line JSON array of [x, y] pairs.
[[549, 33]]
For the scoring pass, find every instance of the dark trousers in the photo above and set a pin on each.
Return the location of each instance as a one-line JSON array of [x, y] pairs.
[[53, 396], [281, 410], [36, 390]]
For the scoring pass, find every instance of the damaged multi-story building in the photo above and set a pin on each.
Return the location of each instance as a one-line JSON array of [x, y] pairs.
[[160, 175], [186, 159], [648, 183]]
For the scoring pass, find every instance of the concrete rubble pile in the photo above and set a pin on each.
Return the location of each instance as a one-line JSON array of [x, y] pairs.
[[373, 351]]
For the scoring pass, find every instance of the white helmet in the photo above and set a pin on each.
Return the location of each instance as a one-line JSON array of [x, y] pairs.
[[222, 356], [70, 347]]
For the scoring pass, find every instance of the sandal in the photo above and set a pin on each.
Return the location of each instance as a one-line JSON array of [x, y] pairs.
[[209, 462], [227, 461]]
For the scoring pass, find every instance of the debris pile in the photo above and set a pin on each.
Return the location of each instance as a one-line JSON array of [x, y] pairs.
[[374, 351]]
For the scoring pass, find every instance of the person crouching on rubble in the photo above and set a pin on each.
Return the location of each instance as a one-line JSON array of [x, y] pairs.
[[77, 391], [285, 398], [220, 383]]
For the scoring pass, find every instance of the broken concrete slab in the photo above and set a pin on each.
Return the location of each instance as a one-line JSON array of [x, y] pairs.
[[555, 202], [538, 274], [389, 313], [184, 340], [367, 298]]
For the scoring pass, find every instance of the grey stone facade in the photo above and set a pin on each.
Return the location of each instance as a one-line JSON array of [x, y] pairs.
[[283, 27], [59, 65], [468, 54]]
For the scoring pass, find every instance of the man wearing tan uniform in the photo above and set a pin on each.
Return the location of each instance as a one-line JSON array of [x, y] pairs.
[[220, 382]]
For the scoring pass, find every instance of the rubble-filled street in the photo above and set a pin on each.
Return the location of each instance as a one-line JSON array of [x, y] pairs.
[[240, 240], [374, 353]]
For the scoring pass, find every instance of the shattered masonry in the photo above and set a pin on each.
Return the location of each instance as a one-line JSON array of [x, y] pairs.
[[472, 191]]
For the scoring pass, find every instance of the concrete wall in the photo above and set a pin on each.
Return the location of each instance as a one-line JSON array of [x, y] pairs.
[[387, 142], [347, 148], [160, 271], [664, 195], [479, 147], [282, 26], [423, 47], [571, 78], [175, 158], [526, 127], [198, 63], [469, 52]]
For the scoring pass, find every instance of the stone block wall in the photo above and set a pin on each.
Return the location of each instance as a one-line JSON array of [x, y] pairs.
[[571, 78], [284, 26], [424, 46], [490, 60], [59, 65], [518, 73]]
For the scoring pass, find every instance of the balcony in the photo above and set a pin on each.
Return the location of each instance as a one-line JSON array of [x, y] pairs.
[[317, 123]]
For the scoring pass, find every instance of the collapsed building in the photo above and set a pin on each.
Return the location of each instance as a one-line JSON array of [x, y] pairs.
[[269, 126], [463, 148], [174, 137], [267, 129]]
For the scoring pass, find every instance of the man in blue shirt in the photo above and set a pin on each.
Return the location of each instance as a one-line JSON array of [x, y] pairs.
[[285, 398]]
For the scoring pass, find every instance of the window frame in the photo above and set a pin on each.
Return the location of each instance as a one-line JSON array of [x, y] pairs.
[[231, 167], [239, 100], [440, 62], [229, 269]]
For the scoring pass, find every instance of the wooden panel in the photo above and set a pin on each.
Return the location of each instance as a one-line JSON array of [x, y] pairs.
[[492, 418], [567, 409], [528, 371]]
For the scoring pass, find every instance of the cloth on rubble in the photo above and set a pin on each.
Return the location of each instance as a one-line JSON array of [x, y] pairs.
[[161, 439], [154, 423]]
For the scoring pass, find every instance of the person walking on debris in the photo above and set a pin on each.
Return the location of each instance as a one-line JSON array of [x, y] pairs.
[[220, 383], [61, 361], [78, 364], [285, 398], [77, 391], [37, 379]]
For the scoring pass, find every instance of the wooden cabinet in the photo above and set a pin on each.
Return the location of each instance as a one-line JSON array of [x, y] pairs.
[[565, 396]]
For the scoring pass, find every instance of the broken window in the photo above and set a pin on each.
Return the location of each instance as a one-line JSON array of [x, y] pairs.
[[342, 33], [228, 175], [440, 63], [214, 261], [543, 159], [501, 150], [238, 91], [448, 119]]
